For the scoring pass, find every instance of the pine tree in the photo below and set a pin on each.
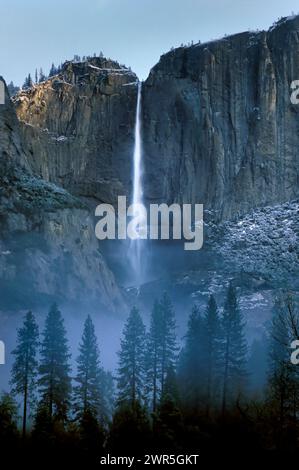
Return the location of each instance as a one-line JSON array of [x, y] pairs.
[[234, 348], [153, 356], [88, 391], [212, 350], [168, 338], [283, 388], [25, 367], [192, 365], [54, 369], [168, 427], [28, 82], [130, 380], [12, 89], [36, 76], [42, 76], [53, 70], [8, 420]]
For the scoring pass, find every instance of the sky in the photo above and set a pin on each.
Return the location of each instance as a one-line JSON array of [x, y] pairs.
[[35, 33]]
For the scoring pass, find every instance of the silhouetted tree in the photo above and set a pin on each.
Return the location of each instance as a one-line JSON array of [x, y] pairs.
[[87, 392], [28, 83], [168, 426], [54, 369], [130, 430], [154, 355], [25, 367], [283, 389], [212, 343], [12, 89], [91, 433], [130, 380], [191, 364], [8, 420], [53, 70], [234, 348], [169, 347], [42, 76]]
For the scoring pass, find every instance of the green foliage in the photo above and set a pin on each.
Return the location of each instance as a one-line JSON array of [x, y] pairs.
[[8, 418], [87, 392], [187, 413], [54, 381], [92, 435], [130, 380], [234, 355], [212, 343], [161, 352], [169, 347], [25, 367], [130, 431], [283, 379], [191, 364]]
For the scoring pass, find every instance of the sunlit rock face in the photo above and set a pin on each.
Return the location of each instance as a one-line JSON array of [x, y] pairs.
[[78, 127], [219, 126], [48, 250]]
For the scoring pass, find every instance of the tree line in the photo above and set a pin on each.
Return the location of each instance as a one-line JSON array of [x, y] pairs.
[[167, 395], [40, 76]]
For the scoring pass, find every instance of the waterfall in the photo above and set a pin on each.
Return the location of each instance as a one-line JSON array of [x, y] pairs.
[[137, 156], [136, 248]]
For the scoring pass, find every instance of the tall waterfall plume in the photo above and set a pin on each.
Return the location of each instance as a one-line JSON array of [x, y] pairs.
[[137, 245]]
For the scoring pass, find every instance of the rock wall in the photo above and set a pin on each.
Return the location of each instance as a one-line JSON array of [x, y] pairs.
[[218, 124], [48, 249], [79, 127]]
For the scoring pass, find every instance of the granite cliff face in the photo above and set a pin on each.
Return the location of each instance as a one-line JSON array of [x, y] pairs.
[[218, 128], [48, 250], [78, 127], [218, 124]]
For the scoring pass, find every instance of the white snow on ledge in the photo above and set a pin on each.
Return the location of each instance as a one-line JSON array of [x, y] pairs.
[[122, 69], [130, 84], [282, 21], [61, 138]]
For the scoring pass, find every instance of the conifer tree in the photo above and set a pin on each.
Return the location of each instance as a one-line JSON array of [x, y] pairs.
[[12, 89], [87, 392], [8, 420], [168, 427], [153, 356], [25, 367], [54, 369], [130, 381], [168, 338], [53, 70], [28, 82], [283, 389], [192, 367], [42, 76], [212, 350], [234, 348]]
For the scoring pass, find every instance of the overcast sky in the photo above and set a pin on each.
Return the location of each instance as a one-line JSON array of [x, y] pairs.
[[35, 33]]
